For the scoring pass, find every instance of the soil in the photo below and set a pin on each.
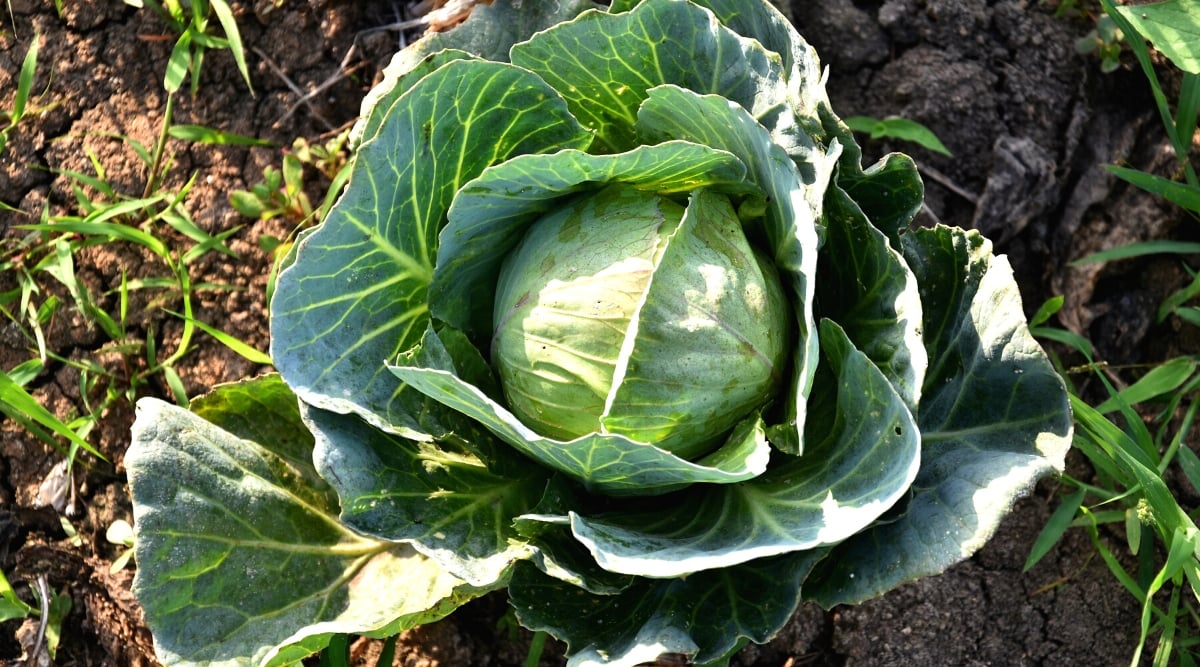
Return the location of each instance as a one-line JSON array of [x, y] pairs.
[[1029, 122]]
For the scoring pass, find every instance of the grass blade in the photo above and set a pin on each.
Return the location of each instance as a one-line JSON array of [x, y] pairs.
[[179, 63], [229, 25], [25, 82], [1182, 194], [13, 398], [107, 230], [1055, 528], [175, 384], [1065, 337], [1189, 463], [208, 135], [1188, 106], [1140, 250], [246, 351], [1047, 310], [1161, 380]]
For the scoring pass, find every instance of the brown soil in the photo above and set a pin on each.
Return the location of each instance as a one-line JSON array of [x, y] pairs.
[[1028, 120]]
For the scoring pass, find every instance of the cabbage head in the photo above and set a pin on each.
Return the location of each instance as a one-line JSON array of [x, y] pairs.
[[609, 315]]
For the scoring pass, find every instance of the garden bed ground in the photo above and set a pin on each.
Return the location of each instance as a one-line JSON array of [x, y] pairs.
[[1028, 120]]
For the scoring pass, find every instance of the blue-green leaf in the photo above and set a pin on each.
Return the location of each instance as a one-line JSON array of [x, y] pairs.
[[241, 558], [446, 503], [604, 64], [607, 463], [793, 204], [378, 101], [862, 454], [994, 419], [762, 22], [491, 213], [702, 616], [889, 192], [866, 287], [355, 294]]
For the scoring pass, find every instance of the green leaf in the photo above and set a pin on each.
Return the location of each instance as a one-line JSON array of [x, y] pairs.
[[24, 83], [606, 463], [179, 62], [1158, 381], [208, 135], [11, 606], [604, 64], [889, 192], [19, 405], [794, 203], [863, 451], [702, 616], [241, 559], [446, 503], [1055, 528], [229, 25], [760, 21], [1172, 27], [865, 286], [1183, 194], [488, 32], [895, 127], [355, 294], [491, 213], [1140, 250], [994, 418]]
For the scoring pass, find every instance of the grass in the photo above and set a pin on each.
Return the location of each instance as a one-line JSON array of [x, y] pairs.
[[40, 256], [1136, 439], [157, 223]]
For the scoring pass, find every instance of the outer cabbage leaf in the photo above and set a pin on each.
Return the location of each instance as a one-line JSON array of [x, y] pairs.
[[994, 418], [488, 32], [608, 463], [355, 294], [702, 616], [889, 192], [762, 22], [446, 503], [604, 64], [396, 81], [241, 559], [863, 453], [792, 209], [491, 214], [865, 286]]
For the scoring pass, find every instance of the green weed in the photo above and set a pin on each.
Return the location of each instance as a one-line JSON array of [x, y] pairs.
[[21, 98], [1131, 463], [895, 127]]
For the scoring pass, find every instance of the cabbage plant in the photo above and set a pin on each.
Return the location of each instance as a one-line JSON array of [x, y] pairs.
[[610, 315]]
